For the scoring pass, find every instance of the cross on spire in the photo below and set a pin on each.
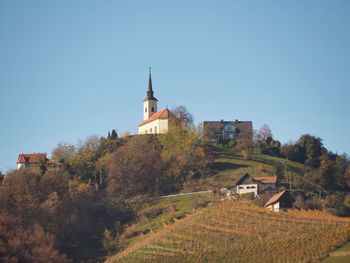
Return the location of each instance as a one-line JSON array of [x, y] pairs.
[[150, 93]]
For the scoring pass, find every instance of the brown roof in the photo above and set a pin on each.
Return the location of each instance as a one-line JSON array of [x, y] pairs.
[[31, 158], [219, 125], [267, 179], [163, 114], [264, 179], [274, 199]]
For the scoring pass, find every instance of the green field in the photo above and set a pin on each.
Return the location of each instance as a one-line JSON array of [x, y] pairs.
[[341, 255], [229, 167]]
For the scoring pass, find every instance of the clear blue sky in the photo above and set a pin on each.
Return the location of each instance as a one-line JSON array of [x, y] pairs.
[[70, 69]]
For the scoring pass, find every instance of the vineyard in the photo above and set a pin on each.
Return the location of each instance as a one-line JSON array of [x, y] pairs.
[[233, 231]]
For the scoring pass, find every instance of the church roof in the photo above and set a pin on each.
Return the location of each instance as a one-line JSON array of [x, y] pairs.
[[163, 114]]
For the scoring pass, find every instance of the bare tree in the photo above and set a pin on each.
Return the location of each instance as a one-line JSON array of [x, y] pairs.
[[264, 133], [184, 117]]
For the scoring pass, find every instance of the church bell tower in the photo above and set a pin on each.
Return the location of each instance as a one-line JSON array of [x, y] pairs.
[[150, 102]]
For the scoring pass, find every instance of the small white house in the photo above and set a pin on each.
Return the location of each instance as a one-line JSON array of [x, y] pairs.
[[280, 201], [248, 184]]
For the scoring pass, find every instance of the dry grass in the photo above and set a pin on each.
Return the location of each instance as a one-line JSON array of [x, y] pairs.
[[233, 231]]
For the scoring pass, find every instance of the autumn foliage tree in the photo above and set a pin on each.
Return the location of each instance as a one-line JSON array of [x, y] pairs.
[[135, 167], [184, 155], [26, 244], [72, 211]]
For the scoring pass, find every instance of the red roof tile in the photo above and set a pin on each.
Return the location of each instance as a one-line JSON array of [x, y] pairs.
[[31, 158], [274, 199], [267, 179], [163, 114]]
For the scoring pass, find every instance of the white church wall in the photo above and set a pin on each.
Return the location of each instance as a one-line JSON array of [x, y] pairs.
[[163, 125], [155, 127], [150, 128]]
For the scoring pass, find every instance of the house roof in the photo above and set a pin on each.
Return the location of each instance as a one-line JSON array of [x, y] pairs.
[[245, 178], [264, 180], [217, 126], [274, 199], [163, 114], [267, 179], [31, 158]]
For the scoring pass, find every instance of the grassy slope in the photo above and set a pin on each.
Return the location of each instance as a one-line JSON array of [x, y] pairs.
[[243, 232], [228, 168], [341, 255]]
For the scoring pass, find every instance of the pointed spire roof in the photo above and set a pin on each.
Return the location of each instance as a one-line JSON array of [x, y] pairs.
[[150, 93]]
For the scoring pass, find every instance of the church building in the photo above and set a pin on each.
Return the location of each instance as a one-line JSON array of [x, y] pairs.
[[154, 121]]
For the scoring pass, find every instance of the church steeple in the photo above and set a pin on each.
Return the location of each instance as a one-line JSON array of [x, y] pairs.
[[150, 102], [150, 93]]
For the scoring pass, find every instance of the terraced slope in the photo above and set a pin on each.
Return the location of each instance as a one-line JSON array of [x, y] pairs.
[[233, 231]]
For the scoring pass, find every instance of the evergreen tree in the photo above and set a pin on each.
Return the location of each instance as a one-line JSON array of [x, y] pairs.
[[114, 134], [312, 147]]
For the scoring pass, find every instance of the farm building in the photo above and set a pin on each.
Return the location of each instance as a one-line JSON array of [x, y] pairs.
[[248, 184], [280, 201]]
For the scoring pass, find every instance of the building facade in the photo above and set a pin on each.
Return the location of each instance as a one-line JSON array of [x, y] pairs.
[[241, 131], [280, 201], [28, 160], [257, 185]]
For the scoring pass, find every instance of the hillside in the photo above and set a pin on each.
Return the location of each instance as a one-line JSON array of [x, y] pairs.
[[228, 168], [245, 232], [202, 228]]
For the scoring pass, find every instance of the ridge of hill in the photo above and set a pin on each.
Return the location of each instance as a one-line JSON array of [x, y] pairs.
[[243, 231]]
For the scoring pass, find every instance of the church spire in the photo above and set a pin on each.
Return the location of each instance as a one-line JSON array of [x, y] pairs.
[[150, 93]]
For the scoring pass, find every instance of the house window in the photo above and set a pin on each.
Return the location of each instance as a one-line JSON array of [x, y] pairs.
[[240, 187], [150, 130], [152, 109], [145, 109], [155, 129]]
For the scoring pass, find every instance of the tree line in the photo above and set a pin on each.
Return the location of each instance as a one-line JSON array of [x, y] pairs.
[[76, 210]]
